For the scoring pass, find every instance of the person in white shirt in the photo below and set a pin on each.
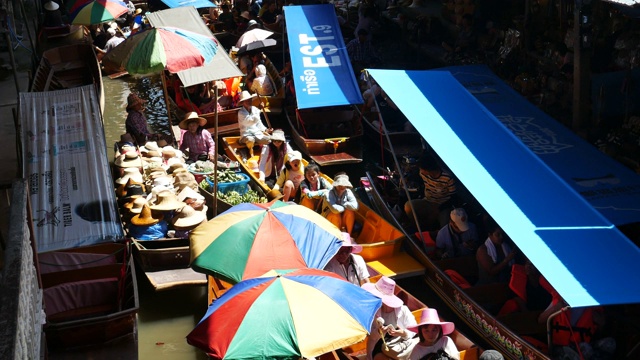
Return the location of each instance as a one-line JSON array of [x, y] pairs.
[[252, 130], [347, 264]]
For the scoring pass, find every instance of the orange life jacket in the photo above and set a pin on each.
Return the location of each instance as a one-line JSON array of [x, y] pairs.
[[563, 334]]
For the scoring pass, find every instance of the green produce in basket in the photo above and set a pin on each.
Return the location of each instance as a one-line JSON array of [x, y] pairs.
[[226, 176], [234, 198]]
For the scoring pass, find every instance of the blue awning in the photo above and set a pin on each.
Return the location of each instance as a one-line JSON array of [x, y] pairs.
[[195, 3], [322, 71], [582, 254]]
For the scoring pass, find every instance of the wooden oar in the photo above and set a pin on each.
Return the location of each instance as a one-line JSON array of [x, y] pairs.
[[266, 118]]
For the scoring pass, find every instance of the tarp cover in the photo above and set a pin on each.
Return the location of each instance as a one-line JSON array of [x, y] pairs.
[[184, 3], [221, 67], [322, 72], [582, 254], [65, 161]]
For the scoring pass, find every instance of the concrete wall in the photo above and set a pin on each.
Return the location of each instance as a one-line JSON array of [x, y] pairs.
[[21, 309]]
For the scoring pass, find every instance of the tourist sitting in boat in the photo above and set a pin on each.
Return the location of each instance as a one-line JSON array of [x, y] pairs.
[[272, 157], [440, 188], [340, 204], [392, 320], [290, 178], [495, 257], [262, 83], [196, 141], [348, 264], [313, 188], [114, 39], [433, 337], [533, 291], [252, 130], [458, 238], [148, 225]]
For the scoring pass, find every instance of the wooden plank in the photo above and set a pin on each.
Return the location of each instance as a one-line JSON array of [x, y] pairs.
[[169, 279], [335, 159]]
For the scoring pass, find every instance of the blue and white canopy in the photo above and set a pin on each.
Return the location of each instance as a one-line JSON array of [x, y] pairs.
[[516, 164], [322, 72]]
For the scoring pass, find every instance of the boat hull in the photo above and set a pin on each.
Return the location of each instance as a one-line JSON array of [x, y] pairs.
[[330, 136]]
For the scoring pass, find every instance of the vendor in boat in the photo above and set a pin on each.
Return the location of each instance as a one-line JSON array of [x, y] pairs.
[[136, 124], [433, 336], [200, 97], [392, 320], [348, 264], [197, 141], [252, 130], [272, 157], [340, 204]]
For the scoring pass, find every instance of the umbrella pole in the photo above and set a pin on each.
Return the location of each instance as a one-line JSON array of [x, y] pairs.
[[266, 118], [167, 103], [215, 161]]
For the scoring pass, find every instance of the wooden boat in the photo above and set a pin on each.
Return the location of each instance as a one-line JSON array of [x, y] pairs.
[[474, 305], [329, 136], [91, 296], [165, 263], [403, 143], [382, 243], [67, 67], [55, 36]]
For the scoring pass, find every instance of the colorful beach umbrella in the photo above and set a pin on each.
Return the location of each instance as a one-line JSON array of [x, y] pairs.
[[285, 314], [83, 12], [250, 239], [157, 49]]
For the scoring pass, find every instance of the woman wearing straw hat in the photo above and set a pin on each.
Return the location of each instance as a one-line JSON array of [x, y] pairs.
[[197, 141], [392, 320], [433, 337], [136, 123], [187, 219], [252, 130]]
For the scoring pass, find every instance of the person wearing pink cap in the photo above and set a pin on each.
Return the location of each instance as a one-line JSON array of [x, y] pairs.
[[348, 264], [433, 337], [392, 320]]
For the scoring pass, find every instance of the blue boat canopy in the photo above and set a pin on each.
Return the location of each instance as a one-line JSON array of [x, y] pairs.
[[195, 3], [500, 154], [322, 72]]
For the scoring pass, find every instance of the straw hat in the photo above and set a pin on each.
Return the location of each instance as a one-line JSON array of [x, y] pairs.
[[189, 117], [128, 159], [133, 100], [167, 201], [130, 173], [245, 96], [51, 6], [121, 191], [175, 166], [384, 289], [430, 317], [136, 205], [183, 180], [150, 146], [342, 180], [169, 151], [152, 154], [146, 217], [274, 195], [163, 181], [245, 14], [188, 217], [278, 134], [189, 193], [134, 191]]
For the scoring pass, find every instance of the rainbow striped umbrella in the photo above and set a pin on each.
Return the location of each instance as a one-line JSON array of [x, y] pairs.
[[83, 12], [250, 239], [285, 314], [156, 49]]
